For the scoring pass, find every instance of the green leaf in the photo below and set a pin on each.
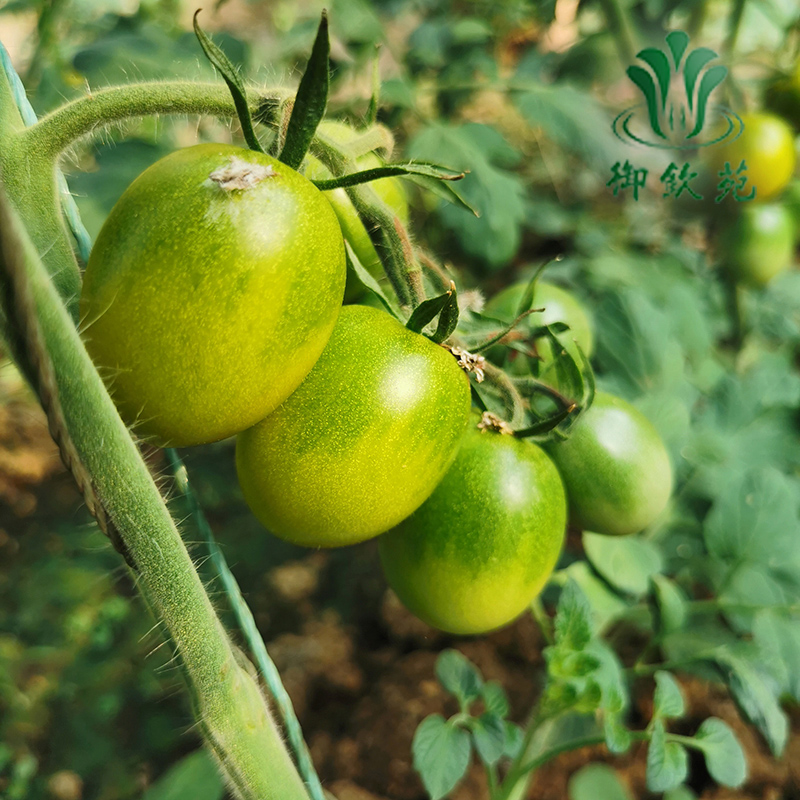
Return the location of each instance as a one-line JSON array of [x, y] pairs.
[[370, 283], [496, 193], [667, 762], [426, 311], [725, 759], [669, 605], [755, 520], [459, 676], [489, 737], [573, 624], [441, 755], [596, 782], [681, 793], [668, 699], [494, 698], [606, 606], [234, 81], [755, 694], [445, 191], [571, 118], [196, 776], [388, 171], [448, 318], [618, 737], [514, 739], [627, 563], [777, 638], [310, 101]]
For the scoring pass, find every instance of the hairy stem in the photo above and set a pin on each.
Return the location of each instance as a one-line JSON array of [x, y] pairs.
[[55, 132], [229, 706]]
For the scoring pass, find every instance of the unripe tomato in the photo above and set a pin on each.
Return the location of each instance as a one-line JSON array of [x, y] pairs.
[[758, 244], [615, 468], [483, 545], [766, 145], [790, 200], [390, 190], [363, 441], [559, 306], [213, 288]]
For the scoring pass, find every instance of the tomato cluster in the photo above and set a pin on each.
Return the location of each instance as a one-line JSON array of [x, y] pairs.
[[212, 305], [757, 243]]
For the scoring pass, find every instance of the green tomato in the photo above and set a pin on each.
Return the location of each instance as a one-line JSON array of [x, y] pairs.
[[363, 441], [766, 145], [790, 200], [212, 289], [389, 190], [758, 244], [479, 550], [559, 306], [615, 468]]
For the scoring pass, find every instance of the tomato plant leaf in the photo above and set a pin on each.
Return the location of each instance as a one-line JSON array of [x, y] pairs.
[[459, 676], [310, 100], [234, 81], [756, 695], [489, 737], [725, 759], [668, 605], [448, 317], [389, 171], [627, 563], [514, 739], [490, 187], [573, 624], [426, 311], [441, 755], [618, 737], [370, 283], [667, 762], [195, 776], [605, 604], [680, 793], [668, 699], [494, 698], [777, 639], [595, 781]]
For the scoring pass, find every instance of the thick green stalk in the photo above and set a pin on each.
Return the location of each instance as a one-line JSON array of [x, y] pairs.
[[55, 132], [230, 708]]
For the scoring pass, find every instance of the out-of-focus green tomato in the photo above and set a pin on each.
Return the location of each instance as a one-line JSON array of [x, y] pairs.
[[559, 306], [615, 468], [766, 146], [758, 244]]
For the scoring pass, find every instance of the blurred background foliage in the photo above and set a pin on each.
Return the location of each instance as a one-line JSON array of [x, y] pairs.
[[521, 94]]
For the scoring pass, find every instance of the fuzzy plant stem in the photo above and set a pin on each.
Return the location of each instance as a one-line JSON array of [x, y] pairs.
[[229, 706], [244, 618]]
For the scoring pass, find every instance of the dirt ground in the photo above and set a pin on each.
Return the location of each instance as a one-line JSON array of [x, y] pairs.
[[361, 683]]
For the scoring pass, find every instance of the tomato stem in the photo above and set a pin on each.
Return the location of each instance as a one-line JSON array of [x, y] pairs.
[[58, 130]]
